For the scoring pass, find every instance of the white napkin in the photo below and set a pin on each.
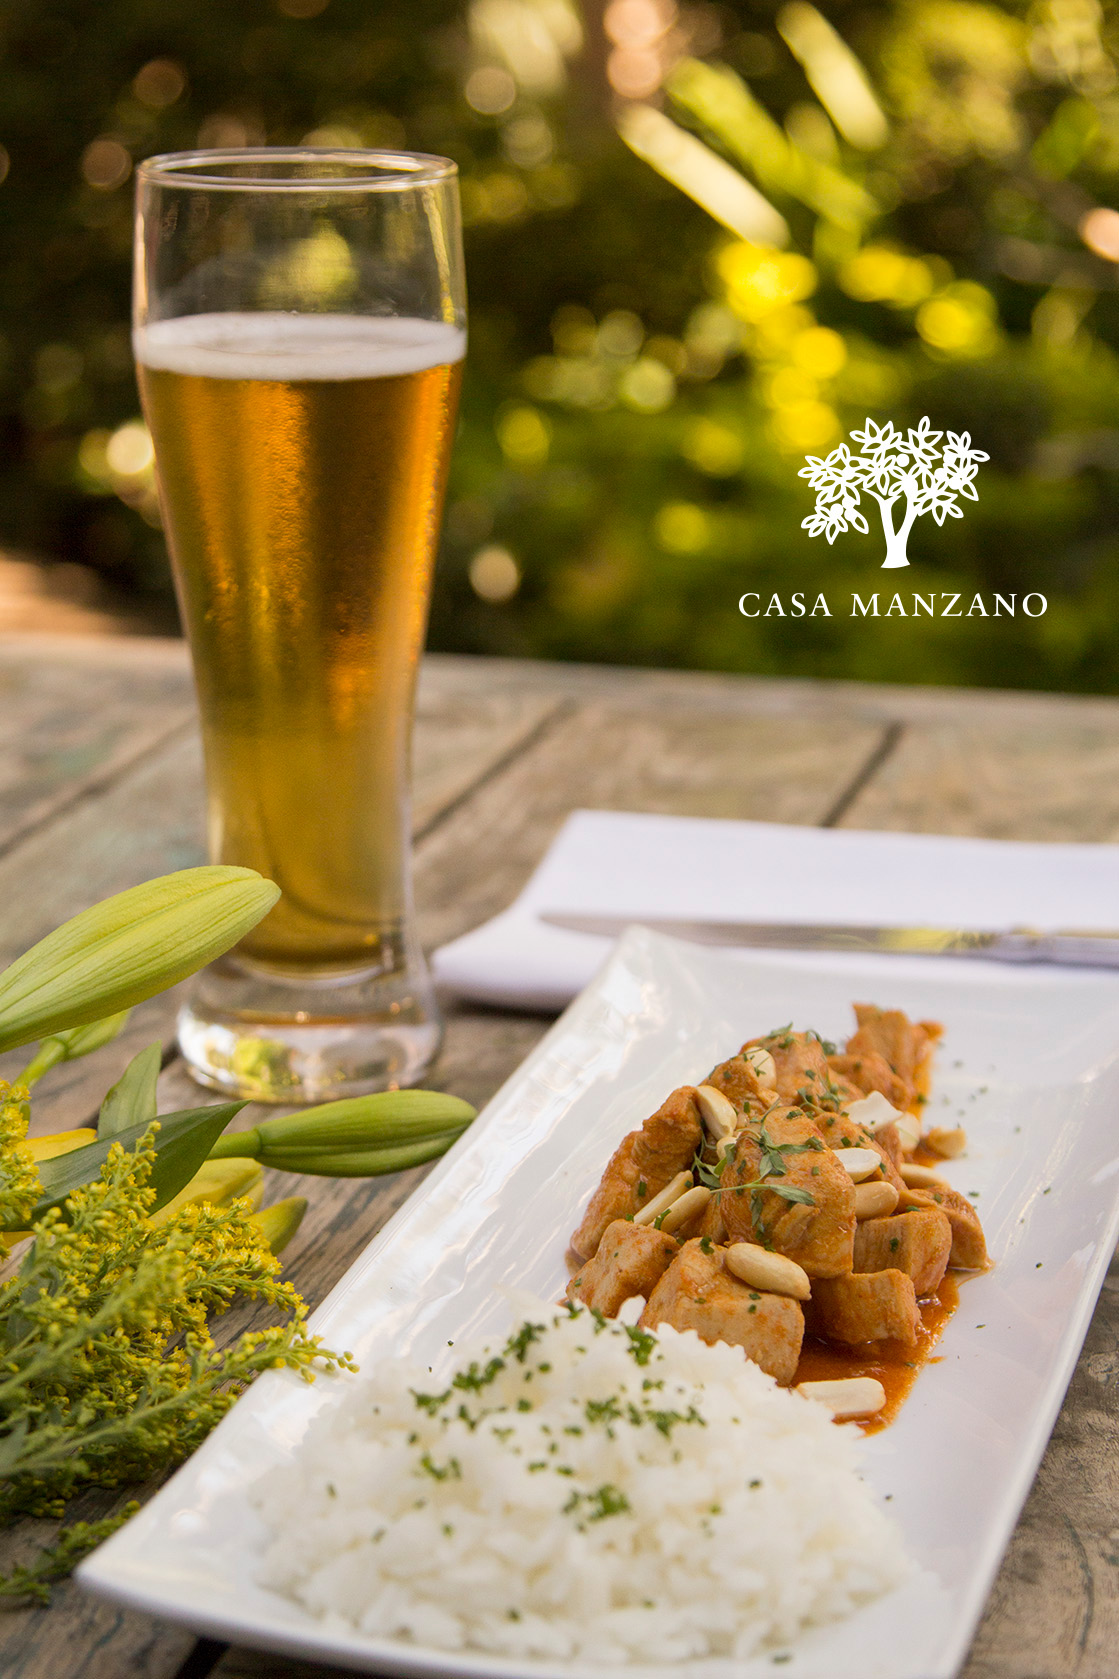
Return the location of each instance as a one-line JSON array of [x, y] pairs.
[[624, 863]]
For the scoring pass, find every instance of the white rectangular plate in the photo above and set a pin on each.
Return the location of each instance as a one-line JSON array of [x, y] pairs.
[[1030, 1062]]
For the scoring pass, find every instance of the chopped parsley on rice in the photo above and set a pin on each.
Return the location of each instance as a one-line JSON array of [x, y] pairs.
[[586, 1491]]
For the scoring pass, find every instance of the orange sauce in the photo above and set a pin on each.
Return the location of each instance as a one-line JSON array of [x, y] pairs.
[[892, 1363]]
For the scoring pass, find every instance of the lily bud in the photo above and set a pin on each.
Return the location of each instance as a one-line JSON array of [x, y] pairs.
[[128, 948], [361, 1163], [361, 1136]]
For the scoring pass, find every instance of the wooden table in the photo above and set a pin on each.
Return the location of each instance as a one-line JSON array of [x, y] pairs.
[[100, 787]]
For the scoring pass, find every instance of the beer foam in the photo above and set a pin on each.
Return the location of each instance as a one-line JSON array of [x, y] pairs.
[[272, 345]]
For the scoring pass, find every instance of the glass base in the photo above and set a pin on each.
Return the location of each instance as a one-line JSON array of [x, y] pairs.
[[274, 1037]]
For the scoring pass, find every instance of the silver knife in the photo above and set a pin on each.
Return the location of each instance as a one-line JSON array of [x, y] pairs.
[[1017, 944]]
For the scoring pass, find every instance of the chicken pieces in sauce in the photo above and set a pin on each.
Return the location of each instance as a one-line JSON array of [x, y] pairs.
[[630, 1261], [817, 1232], [876, 1306], [919, 1244], [641, 1166], [904, 1045], [796, 1152], [698, 1292]]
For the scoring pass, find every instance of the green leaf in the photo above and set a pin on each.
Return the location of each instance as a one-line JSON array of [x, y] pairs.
[[128, 948], [132, 1100], [773, 1154], [711, 1177], [183, 1141], [788, 1193]]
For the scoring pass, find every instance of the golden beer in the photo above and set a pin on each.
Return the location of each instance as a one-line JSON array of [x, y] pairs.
[[302, 461]]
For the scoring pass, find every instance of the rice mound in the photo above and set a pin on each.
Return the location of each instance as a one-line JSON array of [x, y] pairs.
[[589, 1491]]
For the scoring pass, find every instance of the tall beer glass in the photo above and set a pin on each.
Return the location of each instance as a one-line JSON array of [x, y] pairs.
[[299, 333]]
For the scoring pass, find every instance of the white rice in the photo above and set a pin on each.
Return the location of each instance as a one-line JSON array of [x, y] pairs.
[[594, 1492]]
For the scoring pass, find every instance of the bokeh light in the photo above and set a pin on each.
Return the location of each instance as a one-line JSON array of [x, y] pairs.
[[160, 83], [960, 321], [494, 574], [621, 333], [490, 90], [225, 131], [882, 274], [333, 137], [528, 140], [121, 462], [106, 163], [819, 351], [717, 450], [647, 386], [805, 425], [637, 29], [1099, 230], [759, 281], [129, 451], [682, 527], [524, 436]]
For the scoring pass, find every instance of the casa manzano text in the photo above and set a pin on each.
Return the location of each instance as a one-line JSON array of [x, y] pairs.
[[302, 464]]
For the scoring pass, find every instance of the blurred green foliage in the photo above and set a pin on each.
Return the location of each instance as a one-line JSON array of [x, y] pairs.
[[935, 233]]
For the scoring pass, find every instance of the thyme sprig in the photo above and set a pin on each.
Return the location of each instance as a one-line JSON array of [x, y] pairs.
[[774, 1154], [773, 1158]]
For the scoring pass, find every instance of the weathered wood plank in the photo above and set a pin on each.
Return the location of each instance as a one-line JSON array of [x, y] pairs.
[[67, 727], [1054, 1610], [1049, 777], [83, 1639], [781, 769], [764, 696], [463, 732], [147, 822], [150, 819]]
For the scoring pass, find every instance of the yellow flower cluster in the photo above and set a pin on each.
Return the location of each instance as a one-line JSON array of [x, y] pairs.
[[19, 1180], [109, 1370]]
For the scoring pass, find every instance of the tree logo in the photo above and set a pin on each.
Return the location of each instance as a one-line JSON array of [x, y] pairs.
[[892, 468]]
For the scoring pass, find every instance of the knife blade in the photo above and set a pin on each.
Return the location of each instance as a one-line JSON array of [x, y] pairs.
[[1070, 948]]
